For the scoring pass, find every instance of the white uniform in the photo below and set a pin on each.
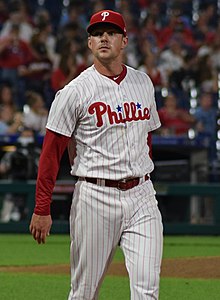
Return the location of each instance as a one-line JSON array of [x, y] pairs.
[[110, 123]]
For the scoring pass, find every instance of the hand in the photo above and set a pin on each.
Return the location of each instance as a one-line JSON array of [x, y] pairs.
[[40, 227]]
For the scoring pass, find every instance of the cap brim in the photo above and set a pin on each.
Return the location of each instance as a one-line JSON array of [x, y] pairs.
[[90, 28]]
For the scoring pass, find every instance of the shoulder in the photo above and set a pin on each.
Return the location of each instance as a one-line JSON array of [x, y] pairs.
[[82, 86], [139, 77], [83, 77], [138, 73]]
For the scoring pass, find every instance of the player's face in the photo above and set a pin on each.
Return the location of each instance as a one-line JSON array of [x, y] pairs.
[[106, 43]]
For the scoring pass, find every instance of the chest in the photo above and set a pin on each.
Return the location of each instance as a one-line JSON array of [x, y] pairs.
[[117, 105]]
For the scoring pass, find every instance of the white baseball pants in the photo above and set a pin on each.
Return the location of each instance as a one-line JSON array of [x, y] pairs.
[[102, 218]]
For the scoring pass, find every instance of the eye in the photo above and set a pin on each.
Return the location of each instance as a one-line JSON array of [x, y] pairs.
[[111, 33], [100, 33], [97, 33]]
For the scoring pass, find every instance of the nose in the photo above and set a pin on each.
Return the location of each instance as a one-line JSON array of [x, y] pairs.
[[104, 35]]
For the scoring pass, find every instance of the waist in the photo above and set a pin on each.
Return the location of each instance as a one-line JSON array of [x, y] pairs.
[[123, 184]]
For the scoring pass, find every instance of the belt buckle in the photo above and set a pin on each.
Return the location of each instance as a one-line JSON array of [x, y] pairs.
[[120, 188]]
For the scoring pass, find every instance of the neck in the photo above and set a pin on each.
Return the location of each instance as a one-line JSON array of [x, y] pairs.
[[108, 69]]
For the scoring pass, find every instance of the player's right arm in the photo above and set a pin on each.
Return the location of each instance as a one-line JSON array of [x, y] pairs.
[[53, 148]]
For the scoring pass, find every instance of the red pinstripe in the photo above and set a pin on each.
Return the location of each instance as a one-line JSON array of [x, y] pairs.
[[131, 217]]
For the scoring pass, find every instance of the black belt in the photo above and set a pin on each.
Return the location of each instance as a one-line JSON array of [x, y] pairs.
[[123, 184]]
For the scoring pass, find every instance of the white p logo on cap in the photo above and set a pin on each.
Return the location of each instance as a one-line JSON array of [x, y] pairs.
[[104, 15], [107, 16]]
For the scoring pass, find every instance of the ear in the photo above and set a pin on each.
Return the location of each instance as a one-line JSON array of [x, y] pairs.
[[124, 42], [89, 43]]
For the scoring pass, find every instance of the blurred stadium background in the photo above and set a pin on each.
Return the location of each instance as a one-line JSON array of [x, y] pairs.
[[177, 43]]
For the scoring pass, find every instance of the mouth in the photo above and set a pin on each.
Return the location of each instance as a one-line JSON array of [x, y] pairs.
[[104, 47]]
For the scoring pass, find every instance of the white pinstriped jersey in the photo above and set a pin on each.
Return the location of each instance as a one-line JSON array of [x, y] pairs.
[[110, 123]]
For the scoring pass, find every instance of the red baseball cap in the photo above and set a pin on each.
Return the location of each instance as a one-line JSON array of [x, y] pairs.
[[107, 17]]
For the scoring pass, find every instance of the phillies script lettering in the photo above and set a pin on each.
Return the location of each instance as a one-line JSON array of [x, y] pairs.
[[128, 113]]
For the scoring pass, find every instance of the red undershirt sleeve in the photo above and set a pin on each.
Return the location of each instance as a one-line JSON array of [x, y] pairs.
[[53, 148], [149, 142]]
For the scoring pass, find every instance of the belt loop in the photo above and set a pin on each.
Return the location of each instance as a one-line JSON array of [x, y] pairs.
[[144, 178]]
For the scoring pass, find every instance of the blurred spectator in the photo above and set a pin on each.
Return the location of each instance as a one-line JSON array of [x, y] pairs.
[[154, 10], [7, 95], [26, 13], [206, 122], [42, 15], [149, 66], [206, 22], [73, 26], [35, 114], [37, 72], [85, 59], [215, 50], [44, 30], [3, 13], [17, 16], [174, 120], [99, 5], [72, 63], [14, 52], [19, 164], [56, 10], [66, 71], [11, 121], [76, 13], [183, 80], [175, 26], [74, 48], [131, 16], [69, 32], [172, 58], [206, 76], [128, 7], [132, 51], [149, 32]]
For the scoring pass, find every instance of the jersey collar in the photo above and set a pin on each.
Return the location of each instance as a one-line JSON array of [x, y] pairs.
[[118, 78]]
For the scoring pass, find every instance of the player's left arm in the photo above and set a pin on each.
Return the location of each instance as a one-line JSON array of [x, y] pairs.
[[52, 151], [149, 143]]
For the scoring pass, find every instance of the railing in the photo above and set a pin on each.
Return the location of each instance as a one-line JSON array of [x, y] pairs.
[[28, 188], [163, 189], [194, 191]]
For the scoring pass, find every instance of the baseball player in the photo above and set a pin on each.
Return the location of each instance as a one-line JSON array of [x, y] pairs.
[[106, 113]]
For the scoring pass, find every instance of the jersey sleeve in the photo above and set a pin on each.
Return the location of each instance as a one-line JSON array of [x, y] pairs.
[[53, 148], [64, 111], [154, 119]]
